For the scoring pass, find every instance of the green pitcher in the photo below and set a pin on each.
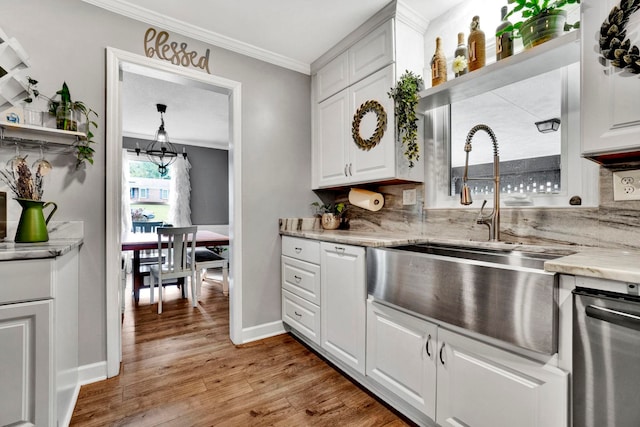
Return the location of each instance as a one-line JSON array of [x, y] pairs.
[[32, 226]]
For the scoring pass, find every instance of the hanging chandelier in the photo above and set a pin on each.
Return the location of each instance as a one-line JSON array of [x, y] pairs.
[[161, 151]]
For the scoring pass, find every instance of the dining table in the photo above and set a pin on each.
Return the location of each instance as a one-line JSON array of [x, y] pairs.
[[138, 242]]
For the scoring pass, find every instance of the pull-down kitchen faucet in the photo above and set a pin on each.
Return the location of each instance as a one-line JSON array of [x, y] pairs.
[[492, 220]]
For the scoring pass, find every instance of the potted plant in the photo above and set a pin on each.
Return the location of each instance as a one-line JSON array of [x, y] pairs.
[[331, 214], [405, 97], [67, 113], [543, 20]]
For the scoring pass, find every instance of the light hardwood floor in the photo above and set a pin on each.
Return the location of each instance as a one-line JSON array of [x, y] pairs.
[[180, 369]]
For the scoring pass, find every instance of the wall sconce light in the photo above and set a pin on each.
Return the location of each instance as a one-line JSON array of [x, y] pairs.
[[546, 126], [161, 151]]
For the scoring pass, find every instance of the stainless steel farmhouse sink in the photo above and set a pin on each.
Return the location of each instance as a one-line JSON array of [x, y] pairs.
[[504, 294]]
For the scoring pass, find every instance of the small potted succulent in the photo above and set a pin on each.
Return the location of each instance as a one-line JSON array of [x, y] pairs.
[[543, 20], [331, 214]]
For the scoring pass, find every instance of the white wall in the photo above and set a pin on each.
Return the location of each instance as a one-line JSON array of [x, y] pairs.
[[66, 40]]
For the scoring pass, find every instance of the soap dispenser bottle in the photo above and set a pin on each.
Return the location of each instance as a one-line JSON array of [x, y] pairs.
[[476, 45]]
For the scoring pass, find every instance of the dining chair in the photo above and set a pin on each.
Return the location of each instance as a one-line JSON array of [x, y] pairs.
[[206, 258], [176, 263]]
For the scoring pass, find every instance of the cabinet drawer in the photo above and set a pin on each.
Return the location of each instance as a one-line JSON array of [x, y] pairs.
[[301, 278], [301, 315], [26, 280], [302, 249]]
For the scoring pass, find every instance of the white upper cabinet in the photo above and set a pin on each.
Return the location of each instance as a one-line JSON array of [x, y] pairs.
[[333, 77], [372, 53], [332, 139], [610, 107], [363, 67], [379, 161]]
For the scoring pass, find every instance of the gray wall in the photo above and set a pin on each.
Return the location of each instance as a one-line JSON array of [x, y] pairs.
[[209, 177], [66, 40]]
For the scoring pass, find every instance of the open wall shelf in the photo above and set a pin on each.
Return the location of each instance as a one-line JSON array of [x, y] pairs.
[[554, 54], [27, 137]]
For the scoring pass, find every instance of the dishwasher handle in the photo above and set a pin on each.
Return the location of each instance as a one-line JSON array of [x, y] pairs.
[[620, 318]]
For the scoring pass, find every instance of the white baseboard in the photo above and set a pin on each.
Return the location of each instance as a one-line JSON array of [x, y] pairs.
[[265, 330], [92, 373], [66, 418]]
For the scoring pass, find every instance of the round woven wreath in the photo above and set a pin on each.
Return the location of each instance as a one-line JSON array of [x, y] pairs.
[[614, 45], [368, 144]]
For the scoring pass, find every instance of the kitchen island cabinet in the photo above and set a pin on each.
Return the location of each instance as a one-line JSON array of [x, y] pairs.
[[39, 334]]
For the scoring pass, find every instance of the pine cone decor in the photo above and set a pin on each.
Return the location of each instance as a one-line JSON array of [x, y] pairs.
[[614, 46]]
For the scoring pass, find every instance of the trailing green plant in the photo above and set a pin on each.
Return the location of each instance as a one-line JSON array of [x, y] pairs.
[[331, 208], [532, 8], [405, 96], [62, 99]]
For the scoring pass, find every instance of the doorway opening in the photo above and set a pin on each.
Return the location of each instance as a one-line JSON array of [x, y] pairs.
[[118, 63]]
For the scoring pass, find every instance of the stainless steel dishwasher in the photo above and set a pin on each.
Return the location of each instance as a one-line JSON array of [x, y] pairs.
[[606, 359]]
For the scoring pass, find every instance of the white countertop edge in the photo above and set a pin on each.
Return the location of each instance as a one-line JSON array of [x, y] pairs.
[[11, 251]]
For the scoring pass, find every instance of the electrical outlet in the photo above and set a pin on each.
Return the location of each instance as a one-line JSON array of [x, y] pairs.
[[409, 197], [626, 185]]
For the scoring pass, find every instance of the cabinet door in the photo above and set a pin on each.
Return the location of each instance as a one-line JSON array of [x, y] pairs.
[[343, 306], [401, 355], [333, 77], [378, 162], [482, 386], [26, 380], [331, 132], [610, 103], [372, 53]]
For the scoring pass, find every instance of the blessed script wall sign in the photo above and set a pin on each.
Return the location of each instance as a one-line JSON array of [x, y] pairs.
[[157, 44]]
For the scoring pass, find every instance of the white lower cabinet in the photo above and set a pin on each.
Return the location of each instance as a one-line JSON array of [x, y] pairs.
[[26, 384], [480, 385], [39, 340], [458, 381], [401, 355], [343, 297]]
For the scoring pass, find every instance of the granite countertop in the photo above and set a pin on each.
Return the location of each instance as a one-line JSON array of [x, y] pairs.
[[620, 265], [10, 251]]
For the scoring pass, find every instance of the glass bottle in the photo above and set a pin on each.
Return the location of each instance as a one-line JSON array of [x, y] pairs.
[[476, 45], [461, 57], [438, 65], [504, 41]]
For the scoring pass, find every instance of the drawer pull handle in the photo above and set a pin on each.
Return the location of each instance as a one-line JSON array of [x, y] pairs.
[[298, 278], [426, 347], [298, 250], [340, 250], [297, 314], [441, 350]]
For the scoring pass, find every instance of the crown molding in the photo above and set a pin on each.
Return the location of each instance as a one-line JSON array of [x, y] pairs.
[[141, 14], [411, 18]]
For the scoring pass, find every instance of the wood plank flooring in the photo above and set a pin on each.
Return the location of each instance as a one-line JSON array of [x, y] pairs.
[[181, 369]]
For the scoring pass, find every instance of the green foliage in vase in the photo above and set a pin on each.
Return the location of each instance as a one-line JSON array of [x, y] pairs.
[[62, 99], [405, 96], [532, 8]]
